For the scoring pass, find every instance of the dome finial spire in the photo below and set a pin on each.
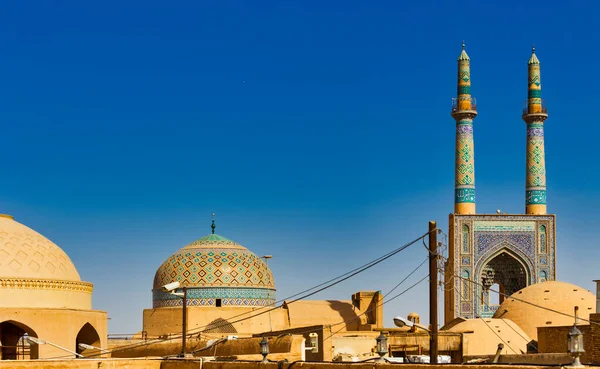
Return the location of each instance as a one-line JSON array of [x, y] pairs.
[[213, 226], [534, 59], [463, 53]]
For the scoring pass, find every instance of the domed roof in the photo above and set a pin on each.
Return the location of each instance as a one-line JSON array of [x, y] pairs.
[[24, 253], [482, 336], [214, 261], [558, 296]]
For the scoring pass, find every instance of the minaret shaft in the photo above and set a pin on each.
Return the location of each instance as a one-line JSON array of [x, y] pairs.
[[464, 111], [534, 115]]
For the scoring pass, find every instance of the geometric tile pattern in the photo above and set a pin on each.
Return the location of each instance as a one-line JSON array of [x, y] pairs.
[[535, 191], [24, 253], [215, 267], [510, 249], [536, 165], [464, 176], [229, 296], [465, 162]]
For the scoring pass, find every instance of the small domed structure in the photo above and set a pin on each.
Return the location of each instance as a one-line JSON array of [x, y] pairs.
[[414, 317], [482, 336], [549, 297], [217, 272]]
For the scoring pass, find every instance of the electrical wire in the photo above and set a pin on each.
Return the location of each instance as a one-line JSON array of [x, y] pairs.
[[486, 323], [525, 301], [385, 302], [333, 281], [496, 333], [378, 305]]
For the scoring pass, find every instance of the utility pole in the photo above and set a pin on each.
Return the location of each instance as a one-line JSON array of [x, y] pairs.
[[184, 324], [433, 297]]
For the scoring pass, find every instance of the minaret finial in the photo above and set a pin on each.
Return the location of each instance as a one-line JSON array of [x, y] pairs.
[[213, 226], [532, 48], [463, 44]]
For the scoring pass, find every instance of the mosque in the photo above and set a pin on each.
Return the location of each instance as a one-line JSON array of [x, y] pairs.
[[510, 251], [505, 254], [46, 310]]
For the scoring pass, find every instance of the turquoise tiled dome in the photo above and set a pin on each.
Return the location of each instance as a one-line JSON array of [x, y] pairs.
[[215, 268]]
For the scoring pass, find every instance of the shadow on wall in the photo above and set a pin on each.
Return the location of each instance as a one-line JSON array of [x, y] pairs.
[[347, 313], [87, 335], [220, 325], [14, 345]]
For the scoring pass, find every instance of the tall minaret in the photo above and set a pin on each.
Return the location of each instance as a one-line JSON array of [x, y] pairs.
[[534, 115], [464, 111]]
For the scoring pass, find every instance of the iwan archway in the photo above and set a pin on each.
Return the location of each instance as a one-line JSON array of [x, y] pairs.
[[507, 272]]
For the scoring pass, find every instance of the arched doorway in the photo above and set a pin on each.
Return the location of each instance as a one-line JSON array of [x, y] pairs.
[[501, 276], [14, 344], [88, 336]]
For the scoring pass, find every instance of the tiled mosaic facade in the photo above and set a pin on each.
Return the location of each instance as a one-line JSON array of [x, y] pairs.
[[464, 111], [206, 296], [217, 272], [513, 251]]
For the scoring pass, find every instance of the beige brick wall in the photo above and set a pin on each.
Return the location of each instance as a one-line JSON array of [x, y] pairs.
[[594, 346], [554, 340]]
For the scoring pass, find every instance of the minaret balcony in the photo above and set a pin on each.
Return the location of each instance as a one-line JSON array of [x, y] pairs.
[[534, 107], [463, 103]]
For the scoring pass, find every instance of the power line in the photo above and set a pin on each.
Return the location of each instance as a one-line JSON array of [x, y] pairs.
[[333, 281], [496, 333], [385, 302], [486, 323], [525, 301], [378, 305]]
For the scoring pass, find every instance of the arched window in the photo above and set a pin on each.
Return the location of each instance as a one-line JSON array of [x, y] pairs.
[[543, 239], [465, 239], [543, 276], [466, 285]]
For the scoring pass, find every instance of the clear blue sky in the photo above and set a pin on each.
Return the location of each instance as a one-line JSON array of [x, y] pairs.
[[319, 132]]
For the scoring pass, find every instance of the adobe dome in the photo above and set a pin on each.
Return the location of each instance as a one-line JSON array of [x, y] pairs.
[[24, 253], [483, 335], [559, 296], [35, 273], [215, 268]]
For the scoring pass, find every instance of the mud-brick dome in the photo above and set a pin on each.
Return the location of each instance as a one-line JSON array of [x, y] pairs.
[[216, 272], [24, 253], [35, 272], [546, 304]]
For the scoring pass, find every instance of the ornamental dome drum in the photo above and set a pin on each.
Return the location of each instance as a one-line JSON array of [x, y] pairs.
[[217, 272]]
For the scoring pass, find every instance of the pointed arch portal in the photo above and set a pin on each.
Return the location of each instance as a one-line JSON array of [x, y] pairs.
[[507, 273], [14, 346], [89, 336]]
